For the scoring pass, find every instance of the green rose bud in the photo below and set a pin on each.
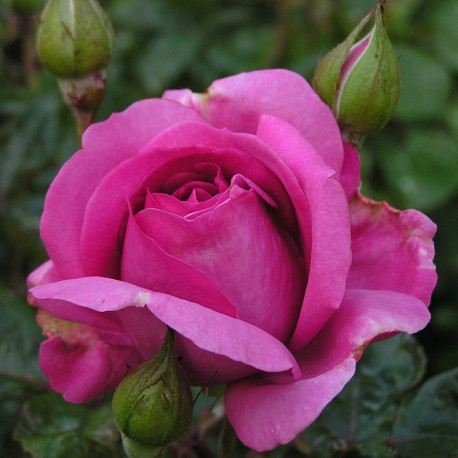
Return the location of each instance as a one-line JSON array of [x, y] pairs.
[[360, 79], [74, 37], [153, 405]]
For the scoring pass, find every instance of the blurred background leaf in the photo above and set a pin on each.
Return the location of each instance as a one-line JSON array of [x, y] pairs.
[[49, 427], [166, 44]]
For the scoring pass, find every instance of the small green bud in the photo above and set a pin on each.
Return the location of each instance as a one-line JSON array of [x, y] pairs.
[[360, 80], [74, 38], [152, 406]]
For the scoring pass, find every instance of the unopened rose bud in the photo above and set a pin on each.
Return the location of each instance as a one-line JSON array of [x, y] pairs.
[[153, 405], [74, 38], [75, 43], [360, 79]]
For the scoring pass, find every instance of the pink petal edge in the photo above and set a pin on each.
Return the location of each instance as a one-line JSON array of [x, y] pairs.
[[207, 329]]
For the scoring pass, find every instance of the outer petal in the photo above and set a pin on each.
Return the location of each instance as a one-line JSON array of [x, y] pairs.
[[237, 102], [81, 361], [207, 329], [364, 315], [265, 415], [329, 239], [105, 145], [392, 249], [46, 273]]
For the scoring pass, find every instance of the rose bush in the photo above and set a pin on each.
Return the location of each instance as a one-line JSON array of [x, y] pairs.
[[232, 217]]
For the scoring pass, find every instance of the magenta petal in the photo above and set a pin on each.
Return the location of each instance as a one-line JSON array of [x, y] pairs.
[[252, 261], [207, 329], [83, 362], [145, 330], [350, 176], [175, 148], [237, 154], [238, 101], [364, 316], [328, 239], [146, 264], [105, 145], [392, 249], [265, 416], [46, 273], [204, 368]]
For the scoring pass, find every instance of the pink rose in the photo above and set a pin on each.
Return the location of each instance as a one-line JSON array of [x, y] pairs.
[[232, 217]]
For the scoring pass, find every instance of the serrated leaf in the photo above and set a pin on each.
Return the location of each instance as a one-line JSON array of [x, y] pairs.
[[428, 425], [366, 407], [20, 338], [20, 375], [51, 428]]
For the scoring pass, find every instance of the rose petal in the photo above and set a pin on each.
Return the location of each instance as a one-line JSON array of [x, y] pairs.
[[328, 236], [238, 246], [350, 177], [265, 416], [238, 101], [207, 329], [331, 242], [392, 249], [46, 273], [364, 315], [260, 165], [105, 145], [83, 362], [107, 208], [146, 264], [236, 154], [204, 368], [146, 331]]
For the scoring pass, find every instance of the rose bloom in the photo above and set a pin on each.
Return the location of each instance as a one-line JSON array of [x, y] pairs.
[[233, 217]]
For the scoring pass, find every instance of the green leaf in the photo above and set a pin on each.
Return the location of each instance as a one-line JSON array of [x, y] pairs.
[[165, 59], [20, 338], [428, 425], [144, 16], [242, 50], [51, 428], [20, 375], [365, 409], [425, 85], [445, 32], [423, 170], [451, 118]]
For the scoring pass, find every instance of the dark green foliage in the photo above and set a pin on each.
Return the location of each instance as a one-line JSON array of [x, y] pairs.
[[394, 407], [48, 427]]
